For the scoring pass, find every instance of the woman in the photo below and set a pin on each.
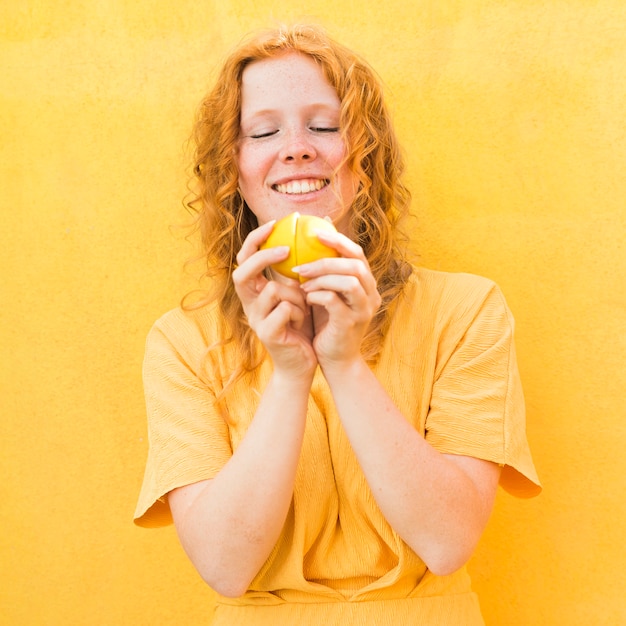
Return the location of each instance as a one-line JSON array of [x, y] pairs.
[[329, 451]]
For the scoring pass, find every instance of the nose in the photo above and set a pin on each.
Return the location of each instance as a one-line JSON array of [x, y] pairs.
[[297, 147]]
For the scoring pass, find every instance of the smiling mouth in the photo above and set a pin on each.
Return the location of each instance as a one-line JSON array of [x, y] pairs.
[[302, 186]]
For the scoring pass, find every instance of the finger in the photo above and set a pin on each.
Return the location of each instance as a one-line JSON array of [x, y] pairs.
[[283, 315], [254, 240], [272, 295], [249, 269], [342, 267], [348, 288], [343, 307], [342, 244]]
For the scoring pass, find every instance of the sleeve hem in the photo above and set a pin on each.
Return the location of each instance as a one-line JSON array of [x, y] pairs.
[[520, 484], [153, 510], [518, 478], [156, 515]]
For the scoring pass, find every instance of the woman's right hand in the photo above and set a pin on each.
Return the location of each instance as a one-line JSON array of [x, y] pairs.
[[276, 309], [229, 524]]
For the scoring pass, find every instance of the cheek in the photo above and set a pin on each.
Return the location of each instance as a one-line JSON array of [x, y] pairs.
[[252, 164], [349, 180], [252, 176], [349, 185], [336, 152], [243, 162]]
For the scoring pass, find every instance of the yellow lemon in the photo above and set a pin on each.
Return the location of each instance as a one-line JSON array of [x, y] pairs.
[[299, 233]]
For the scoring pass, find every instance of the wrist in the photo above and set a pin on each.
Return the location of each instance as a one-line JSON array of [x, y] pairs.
[[343, 370], [293, 379]]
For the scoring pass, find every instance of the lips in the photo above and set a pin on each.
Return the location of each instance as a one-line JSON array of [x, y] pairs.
[[296, 187]]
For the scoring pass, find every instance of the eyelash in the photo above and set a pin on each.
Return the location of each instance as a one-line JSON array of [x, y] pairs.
[[316, 129], [263, 135]]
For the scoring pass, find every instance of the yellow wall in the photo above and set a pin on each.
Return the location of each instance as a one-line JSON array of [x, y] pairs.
[[513, 116]]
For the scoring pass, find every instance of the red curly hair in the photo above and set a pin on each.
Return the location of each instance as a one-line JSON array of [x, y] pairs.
[[373, 155]]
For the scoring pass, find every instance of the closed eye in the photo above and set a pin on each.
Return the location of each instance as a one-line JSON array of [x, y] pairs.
[[268, 133], [325, 129]]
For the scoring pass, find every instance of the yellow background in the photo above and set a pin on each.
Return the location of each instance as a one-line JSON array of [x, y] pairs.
[[513, 116]]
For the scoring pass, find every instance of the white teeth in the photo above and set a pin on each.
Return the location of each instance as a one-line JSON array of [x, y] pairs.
[[301, 186]]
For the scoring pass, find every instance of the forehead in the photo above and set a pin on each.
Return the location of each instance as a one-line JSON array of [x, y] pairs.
[[289, 78]]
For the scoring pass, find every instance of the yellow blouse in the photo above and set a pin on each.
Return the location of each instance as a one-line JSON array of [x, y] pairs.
[[448, 361]]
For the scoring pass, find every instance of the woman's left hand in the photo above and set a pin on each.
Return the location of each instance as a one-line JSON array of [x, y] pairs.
[[343, 295]]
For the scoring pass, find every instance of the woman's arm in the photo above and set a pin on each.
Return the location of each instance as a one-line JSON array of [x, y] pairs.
[[439, 504], [230, 524]]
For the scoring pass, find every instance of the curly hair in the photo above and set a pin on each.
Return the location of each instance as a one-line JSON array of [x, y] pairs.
[[373, 155]]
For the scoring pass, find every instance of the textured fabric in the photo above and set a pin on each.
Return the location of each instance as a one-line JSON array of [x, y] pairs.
[[448, 362]]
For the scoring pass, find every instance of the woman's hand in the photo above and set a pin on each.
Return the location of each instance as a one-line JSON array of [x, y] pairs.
[[276, 309], [344, 297], [439, 504]]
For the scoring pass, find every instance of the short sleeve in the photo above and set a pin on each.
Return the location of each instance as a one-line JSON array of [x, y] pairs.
[[477, 404], [188, 437]]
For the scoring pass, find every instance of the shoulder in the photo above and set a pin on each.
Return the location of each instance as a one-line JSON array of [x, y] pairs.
[[443, 308], [452, 295], [202, 324], [437, 284], [188, 334]]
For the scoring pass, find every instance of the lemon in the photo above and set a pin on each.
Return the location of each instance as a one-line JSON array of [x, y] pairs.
[[299, 233]]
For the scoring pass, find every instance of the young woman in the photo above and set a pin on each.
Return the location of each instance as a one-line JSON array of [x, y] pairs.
[[329, 450]]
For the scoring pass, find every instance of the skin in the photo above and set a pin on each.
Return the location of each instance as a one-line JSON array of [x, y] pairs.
[[439, 504], [290, 136]]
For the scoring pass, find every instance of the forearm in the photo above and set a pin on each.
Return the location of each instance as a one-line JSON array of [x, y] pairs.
[[230, 525], [431, 501]]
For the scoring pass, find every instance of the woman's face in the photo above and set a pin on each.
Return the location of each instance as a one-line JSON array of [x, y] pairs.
[[290, 146]]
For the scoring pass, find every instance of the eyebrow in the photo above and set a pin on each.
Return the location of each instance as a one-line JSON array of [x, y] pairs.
[[314, 106]]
